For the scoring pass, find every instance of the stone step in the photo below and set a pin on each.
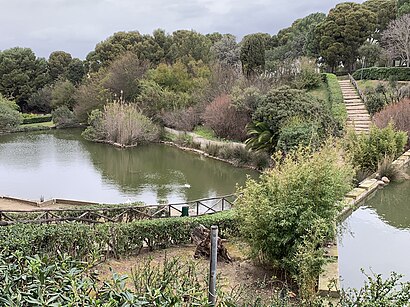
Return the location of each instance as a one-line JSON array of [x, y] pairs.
[[358, 108], [353, 113], [354, 104], [352, 97], [358, 100], [359, 117]]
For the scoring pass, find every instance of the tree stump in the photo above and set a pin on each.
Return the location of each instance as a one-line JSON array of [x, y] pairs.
[[201, 237]]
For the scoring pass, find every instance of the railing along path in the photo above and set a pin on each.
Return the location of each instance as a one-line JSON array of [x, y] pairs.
[[116, 213]]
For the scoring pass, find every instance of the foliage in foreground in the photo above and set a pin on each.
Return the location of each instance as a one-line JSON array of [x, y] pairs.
[[290, 212]]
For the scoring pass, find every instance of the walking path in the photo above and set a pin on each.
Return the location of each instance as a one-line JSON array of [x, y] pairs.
[[202, 141], [357, 116]]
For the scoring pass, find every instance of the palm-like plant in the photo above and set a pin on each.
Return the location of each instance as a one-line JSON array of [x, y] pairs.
[[261, 137]]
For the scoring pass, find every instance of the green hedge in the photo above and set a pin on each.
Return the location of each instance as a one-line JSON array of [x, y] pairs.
[[383, 73], [35, 118], [336, 99], [80, 240]]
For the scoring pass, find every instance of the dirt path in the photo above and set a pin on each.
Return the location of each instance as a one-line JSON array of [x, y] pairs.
[[7, 204], [202, 141]]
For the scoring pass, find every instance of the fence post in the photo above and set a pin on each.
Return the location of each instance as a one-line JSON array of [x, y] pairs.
[[212, 267], [185, 211]]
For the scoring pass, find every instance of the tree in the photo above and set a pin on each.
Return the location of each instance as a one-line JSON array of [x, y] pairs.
[[385, 11], [396, 38], [252, 54], [190, 45], [63, 95], [40, 101], [227, 51], [345, 29], [370, 53], [21, 74], [123, 76], [298, 39], [58, 63], [75, 71]]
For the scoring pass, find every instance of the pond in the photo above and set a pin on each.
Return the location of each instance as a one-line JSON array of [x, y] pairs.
[[376, 237], [60, 164]]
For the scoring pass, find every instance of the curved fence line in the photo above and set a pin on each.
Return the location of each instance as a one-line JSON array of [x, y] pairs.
[[116, 213]]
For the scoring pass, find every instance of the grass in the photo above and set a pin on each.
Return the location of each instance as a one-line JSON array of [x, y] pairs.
[[45, 124], [372, 84], [321, 92], [206, 133]]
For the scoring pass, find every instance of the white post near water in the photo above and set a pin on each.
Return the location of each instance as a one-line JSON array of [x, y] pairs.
[[212, 268]]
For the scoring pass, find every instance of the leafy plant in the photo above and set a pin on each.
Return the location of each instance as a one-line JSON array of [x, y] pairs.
[[290, 211], [367, 150]]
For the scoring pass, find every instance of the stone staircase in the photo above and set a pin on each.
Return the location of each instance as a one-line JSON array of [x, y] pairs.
[[357, 116]]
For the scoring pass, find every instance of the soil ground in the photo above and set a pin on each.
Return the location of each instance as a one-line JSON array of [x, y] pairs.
[[7, 204], [240, 275]]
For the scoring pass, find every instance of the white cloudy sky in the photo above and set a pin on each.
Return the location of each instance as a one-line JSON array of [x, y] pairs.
[[76, 26]]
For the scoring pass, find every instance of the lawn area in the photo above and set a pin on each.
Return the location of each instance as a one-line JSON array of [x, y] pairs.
[[49, 124], [321, 92], [206, 133], [372, 84]]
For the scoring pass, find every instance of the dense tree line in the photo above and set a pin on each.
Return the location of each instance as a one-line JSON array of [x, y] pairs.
[[185, 78]]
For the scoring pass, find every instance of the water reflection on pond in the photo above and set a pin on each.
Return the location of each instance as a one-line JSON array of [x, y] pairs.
[[376, 237], [61, 164]]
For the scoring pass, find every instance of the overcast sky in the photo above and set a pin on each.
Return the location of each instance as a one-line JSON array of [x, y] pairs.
[[76, 26]]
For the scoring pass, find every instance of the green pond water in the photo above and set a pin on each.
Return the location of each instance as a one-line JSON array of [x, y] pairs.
[[60, 164], [376, 237]]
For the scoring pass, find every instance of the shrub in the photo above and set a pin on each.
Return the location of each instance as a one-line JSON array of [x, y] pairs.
[[10, 118], [394, 172], [62, 94], [289, 213], [183, 119], [297, 133], [63, 117], [226, 121], [378, 292], [81, 240], [120, 123], [279, 107], [398, 114], [41, 100], [374, 101], [382, 73], [367, 150], [307, 78]]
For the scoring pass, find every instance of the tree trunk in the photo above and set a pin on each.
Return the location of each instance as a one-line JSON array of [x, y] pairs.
[[201, 237]]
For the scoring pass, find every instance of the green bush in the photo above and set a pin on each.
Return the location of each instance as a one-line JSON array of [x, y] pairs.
[[81, 240], [63, 117], [368, 150], [338, 106], [308, 78], [278, 108], [10, 118], [297, 133], [289, 213], [36, 118], [382, 73]]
